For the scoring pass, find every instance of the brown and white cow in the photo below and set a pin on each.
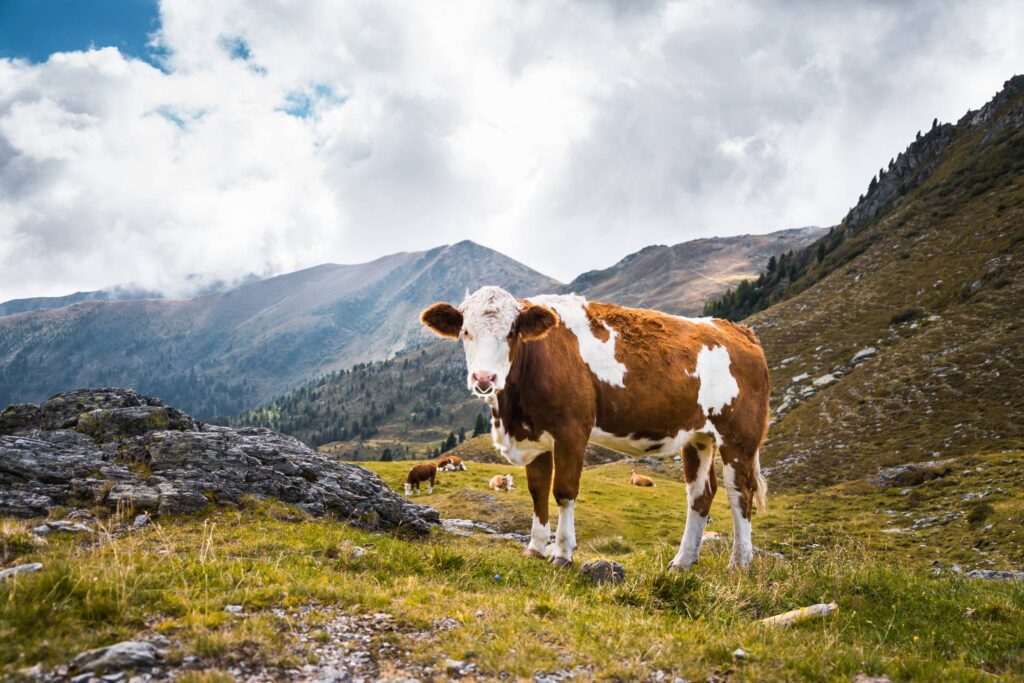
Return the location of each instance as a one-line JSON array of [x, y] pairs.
[[451, 463], [419, 473], [558, 372]]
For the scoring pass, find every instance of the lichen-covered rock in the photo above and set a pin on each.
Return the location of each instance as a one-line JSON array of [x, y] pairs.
[[914, 473], [129, 654], [125, 450], [604, 571]]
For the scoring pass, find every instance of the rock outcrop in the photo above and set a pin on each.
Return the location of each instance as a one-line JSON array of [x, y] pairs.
[[117, 448]]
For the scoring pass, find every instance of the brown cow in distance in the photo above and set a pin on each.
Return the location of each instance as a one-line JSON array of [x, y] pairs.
[[640, 480], [559, 371], [426, 472]]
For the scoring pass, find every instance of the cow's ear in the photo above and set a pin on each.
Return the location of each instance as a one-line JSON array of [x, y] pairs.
[[444, 319], [534, 322]]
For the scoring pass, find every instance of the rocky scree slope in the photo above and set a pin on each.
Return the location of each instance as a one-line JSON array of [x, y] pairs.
[[116, 448], [910, 344]]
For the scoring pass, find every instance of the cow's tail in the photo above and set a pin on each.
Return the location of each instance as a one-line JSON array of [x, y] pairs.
[[761, 486]]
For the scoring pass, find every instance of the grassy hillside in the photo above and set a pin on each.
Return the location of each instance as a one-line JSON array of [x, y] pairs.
[[931, 293], [479, 601]]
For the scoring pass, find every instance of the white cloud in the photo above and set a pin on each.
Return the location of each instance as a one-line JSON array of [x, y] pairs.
[[565, 134]]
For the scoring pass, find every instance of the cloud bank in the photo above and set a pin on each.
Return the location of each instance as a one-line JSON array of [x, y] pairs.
[[565, 134]]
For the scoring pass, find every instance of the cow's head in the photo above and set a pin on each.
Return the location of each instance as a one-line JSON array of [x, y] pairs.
[[491, 324]]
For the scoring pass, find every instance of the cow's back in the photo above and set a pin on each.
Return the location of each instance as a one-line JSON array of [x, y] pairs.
[[679, 373]]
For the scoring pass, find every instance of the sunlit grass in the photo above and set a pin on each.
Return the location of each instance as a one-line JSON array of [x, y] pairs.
[[516, 614]]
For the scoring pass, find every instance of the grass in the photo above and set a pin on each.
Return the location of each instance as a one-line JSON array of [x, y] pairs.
[[520, 616]]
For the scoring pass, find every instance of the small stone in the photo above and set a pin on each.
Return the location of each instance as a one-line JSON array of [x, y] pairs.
[[863, 355], [603, 571], [995, 575], [141, 521], [479, 614], [801, 377], [868, 678], [129, 654], [825, 380], [739, 654], [233, 609], [21, 569], [956, 569], [81, 678]]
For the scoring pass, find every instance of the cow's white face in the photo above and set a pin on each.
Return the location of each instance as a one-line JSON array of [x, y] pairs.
[[490, 322]]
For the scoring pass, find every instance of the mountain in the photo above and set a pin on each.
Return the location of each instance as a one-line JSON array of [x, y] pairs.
[[904, 341], [198, 285], [116, 293], [408, 405], [226, 352], [681, 278]]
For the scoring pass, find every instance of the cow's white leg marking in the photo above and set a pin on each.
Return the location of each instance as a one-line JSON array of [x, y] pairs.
[[540, 534], [742, 547], [565, 534], [408, 489], [689, 547], [430, 489]]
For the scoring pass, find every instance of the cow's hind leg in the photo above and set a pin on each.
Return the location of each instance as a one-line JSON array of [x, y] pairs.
[[568, 468], [538, 481], [745, 487], [699, 468]]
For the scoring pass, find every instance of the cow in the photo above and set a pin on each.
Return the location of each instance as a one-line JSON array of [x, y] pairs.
[[559, 371], [451, 463], [426, 472], [501, 482], [639, 479]]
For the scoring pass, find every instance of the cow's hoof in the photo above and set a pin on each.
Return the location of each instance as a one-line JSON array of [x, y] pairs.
[[560, 561], [673, 567], [533, 552]]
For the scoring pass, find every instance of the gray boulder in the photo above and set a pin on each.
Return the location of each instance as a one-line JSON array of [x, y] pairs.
[[604, 571], [131, 451], [914, 473], [129, 654]]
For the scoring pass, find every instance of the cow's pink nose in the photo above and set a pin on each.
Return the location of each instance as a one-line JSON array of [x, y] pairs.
[[484, 379]]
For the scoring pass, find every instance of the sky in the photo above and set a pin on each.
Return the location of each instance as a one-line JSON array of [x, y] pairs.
[[167, 143]]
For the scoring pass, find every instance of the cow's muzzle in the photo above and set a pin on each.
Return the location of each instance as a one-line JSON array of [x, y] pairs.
[[484, 384]]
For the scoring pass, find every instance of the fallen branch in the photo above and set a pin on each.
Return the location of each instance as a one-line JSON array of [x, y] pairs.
[[803, 614]]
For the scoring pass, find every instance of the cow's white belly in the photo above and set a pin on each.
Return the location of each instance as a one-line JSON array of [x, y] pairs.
[[521, 452], [632, 445]]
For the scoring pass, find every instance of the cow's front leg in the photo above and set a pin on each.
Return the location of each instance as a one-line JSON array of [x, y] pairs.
[[568, 467], [698, 466], [538, 481]]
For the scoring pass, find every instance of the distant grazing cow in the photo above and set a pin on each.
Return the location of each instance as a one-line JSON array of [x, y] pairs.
[[558, 372], [501, 482], [451, 463], [425, 472], [640, 480]]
